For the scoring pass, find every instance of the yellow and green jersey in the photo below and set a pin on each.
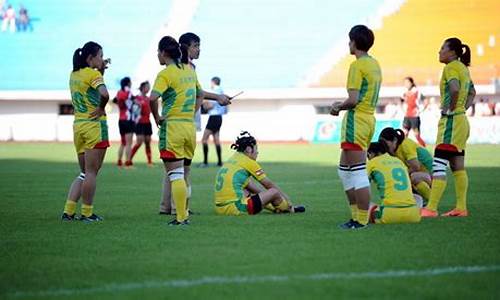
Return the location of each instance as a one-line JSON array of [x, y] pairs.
[[391, 178], [366, 77], [234, 176], [177, 85], [409, 150], [455, 70], [85, 97]]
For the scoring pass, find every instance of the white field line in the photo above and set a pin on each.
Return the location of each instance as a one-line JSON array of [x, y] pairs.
[[182, 283]]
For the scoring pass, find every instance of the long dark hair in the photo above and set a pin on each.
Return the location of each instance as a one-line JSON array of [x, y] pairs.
[[243, 141], [390, 134], [170, 46], [377, 148], [456, 45], [186, 40], [81, 54]]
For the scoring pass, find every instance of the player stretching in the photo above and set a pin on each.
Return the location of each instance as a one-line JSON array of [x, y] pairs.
[[143, 130], [416, 158], [190, 47], [358, 125], [235, 191], [90, 129], [457, 94], [181, 95], [412, 119], [393, 183]]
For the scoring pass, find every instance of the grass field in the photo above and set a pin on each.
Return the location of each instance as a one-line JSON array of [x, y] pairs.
[[133, 254]]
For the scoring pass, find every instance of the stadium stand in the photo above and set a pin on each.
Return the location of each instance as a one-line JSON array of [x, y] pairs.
[[409, 41]]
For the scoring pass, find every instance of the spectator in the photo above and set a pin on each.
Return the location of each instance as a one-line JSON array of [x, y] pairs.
[[24, 20], [497, 109], [9, 19], [482, 108]]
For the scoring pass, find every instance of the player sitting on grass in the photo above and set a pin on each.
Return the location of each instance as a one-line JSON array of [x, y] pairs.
[[235, 191], [391, 178], [415, 157]]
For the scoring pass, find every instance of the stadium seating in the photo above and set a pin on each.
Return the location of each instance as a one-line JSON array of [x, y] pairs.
[[42, 59], [409, 41]]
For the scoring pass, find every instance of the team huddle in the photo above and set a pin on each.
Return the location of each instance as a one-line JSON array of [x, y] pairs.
[[409, 180]]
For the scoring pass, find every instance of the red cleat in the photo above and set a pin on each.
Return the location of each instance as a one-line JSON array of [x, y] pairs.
[[427, 213], [456, 213]]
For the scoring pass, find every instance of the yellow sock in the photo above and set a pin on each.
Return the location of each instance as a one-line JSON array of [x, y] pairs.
[[362, 216], [437, 190], [354, 211], [270, 207], [461, 184], [70, 207], [87, 210], [283, 206], [179, 194], [423, 190]]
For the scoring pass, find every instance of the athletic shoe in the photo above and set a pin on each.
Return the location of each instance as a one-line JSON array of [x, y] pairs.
[[348, 224], [427, 213], [357, 225], [455, 213], [164, 213], [66, 217], [90, 219], [174, 222], [299, 208]]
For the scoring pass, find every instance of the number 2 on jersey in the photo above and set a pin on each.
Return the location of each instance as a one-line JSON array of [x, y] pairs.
[[190, 101]]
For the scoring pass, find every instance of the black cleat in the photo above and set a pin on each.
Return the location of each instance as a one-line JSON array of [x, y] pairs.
[[174, 222], [348, 224], [165, 213], [90, 219], [66, 217], [299, 208]]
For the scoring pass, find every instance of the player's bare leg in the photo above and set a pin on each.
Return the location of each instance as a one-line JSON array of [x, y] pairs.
[[128, 148], [93, 163]]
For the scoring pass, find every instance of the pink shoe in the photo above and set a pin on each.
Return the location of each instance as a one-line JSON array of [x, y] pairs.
[[427, 213], [455, 213]]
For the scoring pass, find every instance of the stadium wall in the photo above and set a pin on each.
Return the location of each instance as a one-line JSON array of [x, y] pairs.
[[271, 115]]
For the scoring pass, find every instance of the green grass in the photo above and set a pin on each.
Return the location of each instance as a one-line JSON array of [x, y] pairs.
[[133, 254]]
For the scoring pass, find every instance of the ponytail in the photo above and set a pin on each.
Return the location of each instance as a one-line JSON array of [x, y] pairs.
[[456, 45], [390, 134], [170, 46], [243, 141], [81, 54], [184, 54]]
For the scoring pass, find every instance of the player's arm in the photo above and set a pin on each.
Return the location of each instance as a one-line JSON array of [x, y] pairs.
[[153, 105], [253, 188], [97, 82], [347, 104], [413, 165], [222, 99], [268, 184], [470, 96], [200, 95], [454, 88]]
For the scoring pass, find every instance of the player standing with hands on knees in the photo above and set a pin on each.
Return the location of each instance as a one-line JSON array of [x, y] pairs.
[[89, 97], [358, 125], [457, 95]]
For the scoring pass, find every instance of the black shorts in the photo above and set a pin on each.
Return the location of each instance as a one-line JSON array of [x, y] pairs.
[[143, 129], [411, 122], [126, 127], [214, 123]]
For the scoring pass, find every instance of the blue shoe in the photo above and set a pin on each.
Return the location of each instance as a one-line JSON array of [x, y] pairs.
[[299, 208], [90, 219], [348, 224], [66, 217]]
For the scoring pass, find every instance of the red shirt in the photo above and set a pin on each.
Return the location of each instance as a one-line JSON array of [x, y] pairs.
[[411, 99], [145, 109], [125, 105]]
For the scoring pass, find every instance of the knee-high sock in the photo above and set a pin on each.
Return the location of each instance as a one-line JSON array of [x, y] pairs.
[[437, 190], [219, 154], [461, 185], [179, 195], [205, 153], [424, 190]]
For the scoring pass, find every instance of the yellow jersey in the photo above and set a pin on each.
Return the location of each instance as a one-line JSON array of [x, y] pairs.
[[409, 149], [391, 178], [455, 70], [177, 85], [234, 176], [85, 97], [366, 77]]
